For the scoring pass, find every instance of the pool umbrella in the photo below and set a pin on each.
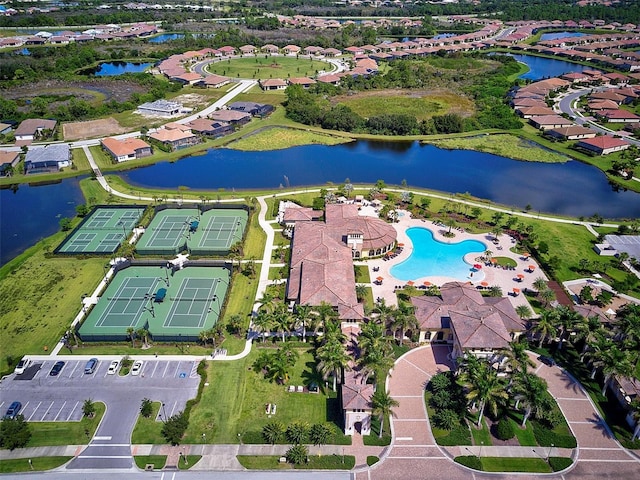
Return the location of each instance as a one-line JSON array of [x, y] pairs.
[[484, 284], [380, 279], [516, 291], [520, 276], [494, 260], [410, 283], [477, 266], [526, 255], [532, 268], [401, 244]]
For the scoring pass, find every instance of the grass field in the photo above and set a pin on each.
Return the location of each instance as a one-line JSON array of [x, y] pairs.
[[239, 395], [38, 464], [66, 433], [422, 105], [270, 67], [280, 138], [503, 145], [272, 462], [158, 461]]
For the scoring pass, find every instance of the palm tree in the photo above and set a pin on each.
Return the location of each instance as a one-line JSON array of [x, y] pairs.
[[403, 320], [495, 291], [485, 388], [303, 312], [524, 312], [382, 406], [361, 292], [143, 333], [332, 358], [319, 434], [568, 319], [272, 432], [267, 302], [263, 322], [517, 357], [540, 284], [282, 320], [613, 362], [628, 325], [203, 336], [132, 335], [547, 296], [531, 390], [384, 311], [545, 327], [587, 330]]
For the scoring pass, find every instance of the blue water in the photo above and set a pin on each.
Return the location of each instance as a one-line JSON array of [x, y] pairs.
[[571, 188], [555, 35], [433, 258], [540, 67], [166, 37], [109, 69], [24, 51], [32, 213]]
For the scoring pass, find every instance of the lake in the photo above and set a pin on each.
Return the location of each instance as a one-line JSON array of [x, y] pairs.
[[166, 37], [109, 69], [541, 67], [556, 35], [32, 213], [572, 188]]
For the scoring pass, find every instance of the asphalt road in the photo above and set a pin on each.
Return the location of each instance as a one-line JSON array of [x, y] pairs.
[[60, 398], [134, 475]]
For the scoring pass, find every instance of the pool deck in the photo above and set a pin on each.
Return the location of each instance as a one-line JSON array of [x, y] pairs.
[[506, 279]]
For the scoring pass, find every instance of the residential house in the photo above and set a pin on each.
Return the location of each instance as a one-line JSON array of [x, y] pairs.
[[8, 161], [331, 78], [33, 128], [161, 108], [188, 78], [291, 50], [355, 400], [252, 108], [126, 149], [213, 81], [248, 50], [175, 136], [210, 128], [603, 145], [270, 49], [227, 51], [528, 112], [547, 122], [575, 132], [50, 158], [5, 128], [618, 116], [231, 116], [471, 323], [304, 82], [273, 84]]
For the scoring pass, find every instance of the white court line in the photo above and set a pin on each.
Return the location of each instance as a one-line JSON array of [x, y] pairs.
[[73, 410], [34, 411], [165, 369], [45, 413], [60, 411]]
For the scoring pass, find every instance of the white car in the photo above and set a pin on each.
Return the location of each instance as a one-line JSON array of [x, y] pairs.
[[113, 367], [137, 368], [22, 366]]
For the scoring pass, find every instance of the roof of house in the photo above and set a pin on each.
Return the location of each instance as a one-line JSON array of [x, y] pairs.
[[205, 124], [7, 157], [273, 82], [215, 79], [603, 142], [54, 152], [357, 396], [123, 147], [550, 120], [31, 125], [301, 81], [619, 115], [229, 115], [297, 214], [170, 135], [573, 130]]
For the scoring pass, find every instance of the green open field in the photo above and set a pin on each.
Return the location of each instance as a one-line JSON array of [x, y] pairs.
[[66, 433], [270, 67], [280, 138], [422, 105], [37, 464]]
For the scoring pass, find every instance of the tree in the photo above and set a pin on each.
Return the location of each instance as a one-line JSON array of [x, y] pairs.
[[174, 428], [65, 224], [547, 296], [89, 408], [403, 320], [568, 318], [296, 432], [263, 322], [382, 406], [319, 434], [495, 291], [146, 408], [545, 327], [531, 391], [485, 388], [523, 311], [297, 454], [131, 332], [14, 432], [143, 333], [613, 362], [272, 432], [517, 357], [332, 358], [540, 284], [361, 292]]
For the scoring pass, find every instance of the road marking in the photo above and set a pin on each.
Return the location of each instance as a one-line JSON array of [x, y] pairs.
[[175, 374], [423, 371], [155, 368], [409, 419], [419, 458], [404, 438], [60, 411], [104, 456], [74, 369], [73, 410], [45, 413], [606, 461], [165, 369], [34, 411], [101, 438]]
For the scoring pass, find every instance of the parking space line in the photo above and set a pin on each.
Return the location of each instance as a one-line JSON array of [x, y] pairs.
[[165, 369], [73, 410], [34, 411], [59, 411], [175, 404], [175, 374], [155, 368], [38, 372], [45, 413], [74, 369]]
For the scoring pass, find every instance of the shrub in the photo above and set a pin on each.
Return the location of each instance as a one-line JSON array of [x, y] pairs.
[[14, 433], [442, 400], [297, 454], [174, 428], [446, 419], [470, 461], [272, 432], [505, 430], [88, 408], [559, 463], [296, 432], [146, 408], [440, 382], [546, 437], [372, 460]]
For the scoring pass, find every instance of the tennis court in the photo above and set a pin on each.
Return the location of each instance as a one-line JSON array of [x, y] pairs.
[[103, 230], [211, 232], [173, 305]]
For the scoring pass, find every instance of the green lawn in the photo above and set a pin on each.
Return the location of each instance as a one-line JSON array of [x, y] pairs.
[[234, 402], [158, 461], [187, 461], [271, 67], [147, 430], [481, 436], [65, 433], [272, 462], [37, 464], [362, 274], [278, 138], [504, 464]]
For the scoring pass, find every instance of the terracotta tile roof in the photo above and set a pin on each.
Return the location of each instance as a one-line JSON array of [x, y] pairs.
[[32, 125], [127, 146], [170, 135], [293, 214], [7, 157], [603, 142], [356, 396]]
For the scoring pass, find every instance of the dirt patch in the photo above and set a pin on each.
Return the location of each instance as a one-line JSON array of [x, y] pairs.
[[92, 129], [191, 100]]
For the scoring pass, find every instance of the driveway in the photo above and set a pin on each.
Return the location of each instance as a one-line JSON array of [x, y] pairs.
[[414, 454]]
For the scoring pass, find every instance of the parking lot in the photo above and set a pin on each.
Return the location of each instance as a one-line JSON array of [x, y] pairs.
[[47, 398]]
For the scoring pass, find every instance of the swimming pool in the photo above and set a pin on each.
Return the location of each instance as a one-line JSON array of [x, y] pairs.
[[433, 258]]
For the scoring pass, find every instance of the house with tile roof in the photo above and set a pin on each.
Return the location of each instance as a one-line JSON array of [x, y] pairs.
[[462, 317], [603, 145], [355, 399], [8, 160], [175, 138], [575, 132], [126, 149]]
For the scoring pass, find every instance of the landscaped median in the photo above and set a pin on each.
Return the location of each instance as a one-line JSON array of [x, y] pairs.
[[273, 462], [32, 464]]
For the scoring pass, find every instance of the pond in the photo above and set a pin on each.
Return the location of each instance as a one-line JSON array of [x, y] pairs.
[[541, 67], [556, 35], [166, 37], [109, 69], [31, 213]]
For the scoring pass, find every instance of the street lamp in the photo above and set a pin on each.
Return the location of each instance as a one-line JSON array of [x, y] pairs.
[[124, 231], [549, 451], [164, 414], [240, 438]]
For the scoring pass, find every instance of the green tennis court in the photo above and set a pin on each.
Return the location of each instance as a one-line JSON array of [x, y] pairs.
[[103, 230], [173, 305], [208, 232]]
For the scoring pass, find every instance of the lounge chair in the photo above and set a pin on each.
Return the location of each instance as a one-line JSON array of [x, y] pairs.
[[268, 409], [300, 389], [273, 409]]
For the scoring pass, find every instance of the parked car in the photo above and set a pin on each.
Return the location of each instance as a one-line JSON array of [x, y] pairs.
[[13, 410], [22, 366], [136, 368], [547, 360], [113, 367], [57, 367], [91, 365]]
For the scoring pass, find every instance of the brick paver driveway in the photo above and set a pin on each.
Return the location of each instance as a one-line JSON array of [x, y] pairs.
[[414, 454]]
